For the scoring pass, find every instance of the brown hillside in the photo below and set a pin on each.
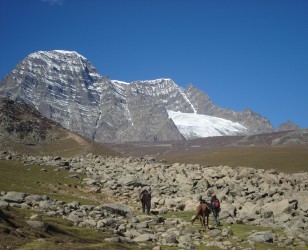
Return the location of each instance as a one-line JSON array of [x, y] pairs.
[[25, 130]]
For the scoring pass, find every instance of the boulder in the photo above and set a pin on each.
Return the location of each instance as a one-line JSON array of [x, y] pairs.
[[226, 232], [117, 208], [45, 204], [4, 204], [169, 238], [33, 198], [262, 237], [74, 204], [279, 207], [303, 202], [75, 218], [144, 238], [131, 180], [14, 197], [37, 225]]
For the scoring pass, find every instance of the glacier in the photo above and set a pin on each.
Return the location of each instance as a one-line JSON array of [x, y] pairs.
[[193, 125]]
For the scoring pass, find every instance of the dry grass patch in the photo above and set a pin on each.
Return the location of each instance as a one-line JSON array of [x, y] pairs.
[[287, 159]]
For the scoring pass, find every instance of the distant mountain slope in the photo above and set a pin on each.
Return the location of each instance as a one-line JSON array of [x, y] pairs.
[[286, 150], [254, 122], [288, 125], [25, 130], [65, 87]]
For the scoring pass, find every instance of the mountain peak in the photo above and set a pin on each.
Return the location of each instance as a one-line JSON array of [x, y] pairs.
[[286, 126], [56, 53], [57, 63]]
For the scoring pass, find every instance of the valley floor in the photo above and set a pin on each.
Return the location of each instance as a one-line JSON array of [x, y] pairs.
[[91, 201]]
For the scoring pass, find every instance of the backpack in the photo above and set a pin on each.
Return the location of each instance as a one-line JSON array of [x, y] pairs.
[[216, 204]]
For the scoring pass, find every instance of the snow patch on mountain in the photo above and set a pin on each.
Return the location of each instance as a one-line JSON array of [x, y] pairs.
[[193, 125], [187, 100], [119, 82]]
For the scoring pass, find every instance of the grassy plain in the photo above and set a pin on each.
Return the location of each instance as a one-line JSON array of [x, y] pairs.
[[35, 179]]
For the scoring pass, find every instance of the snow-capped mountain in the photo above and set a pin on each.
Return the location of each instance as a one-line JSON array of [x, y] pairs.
[[65, 87]]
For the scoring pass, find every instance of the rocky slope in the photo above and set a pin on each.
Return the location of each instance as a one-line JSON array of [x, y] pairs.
[[248, 196], [65, 87], [23, 124]]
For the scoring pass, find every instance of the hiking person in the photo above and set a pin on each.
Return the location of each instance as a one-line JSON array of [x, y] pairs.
[[215, 204], [145, 198]]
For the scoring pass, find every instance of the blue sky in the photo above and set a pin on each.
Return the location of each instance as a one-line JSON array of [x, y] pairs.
[[242, 53]]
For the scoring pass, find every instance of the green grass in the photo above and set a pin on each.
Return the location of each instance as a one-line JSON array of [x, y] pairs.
[[184, 215], [30, 179]]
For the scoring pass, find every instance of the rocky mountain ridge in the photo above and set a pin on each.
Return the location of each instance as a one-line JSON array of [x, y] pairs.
[[65, 87]]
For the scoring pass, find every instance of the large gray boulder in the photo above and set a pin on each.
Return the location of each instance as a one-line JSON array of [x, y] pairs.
[[262, 237], [132, 180], [302, 202], [14, 197], [283, 206], [117, 208]]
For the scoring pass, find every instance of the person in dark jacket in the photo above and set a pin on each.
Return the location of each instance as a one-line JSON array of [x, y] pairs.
[[215, 208], [145, 198]]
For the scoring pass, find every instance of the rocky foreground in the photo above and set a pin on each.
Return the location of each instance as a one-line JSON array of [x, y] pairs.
[[248, 196]]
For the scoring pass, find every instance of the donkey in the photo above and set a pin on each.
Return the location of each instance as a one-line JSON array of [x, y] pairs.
[[202, 211]]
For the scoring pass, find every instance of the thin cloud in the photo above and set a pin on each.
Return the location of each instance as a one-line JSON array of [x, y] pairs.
[[53, 2]]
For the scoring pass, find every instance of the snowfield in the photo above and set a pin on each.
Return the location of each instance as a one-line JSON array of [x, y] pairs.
[[193, 125]]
